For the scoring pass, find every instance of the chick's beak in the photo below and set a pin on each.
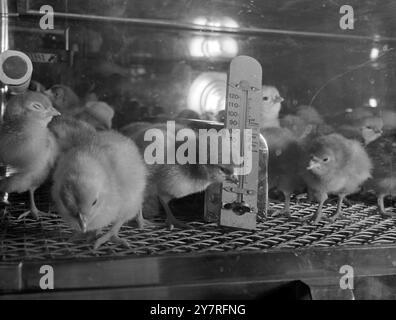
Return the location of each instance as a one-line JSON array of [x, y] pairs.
[[278, 99], [48, 93], [313, 165], [54, 112], [232, 178], [82, 222]]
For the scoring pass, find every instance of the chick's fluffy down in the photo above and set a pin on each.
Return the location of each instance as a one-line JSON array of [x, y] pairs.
[[345, 165], [111, 161]]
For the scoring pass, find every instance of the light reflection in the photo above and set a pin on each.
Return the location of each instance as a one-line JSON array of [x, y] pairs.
[[374, 54], [373, 103], [207, 92], [213, 47]]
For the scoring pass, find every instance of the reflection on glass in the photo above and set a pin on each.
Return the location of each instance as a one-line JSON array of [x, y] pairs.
[[207, 92]]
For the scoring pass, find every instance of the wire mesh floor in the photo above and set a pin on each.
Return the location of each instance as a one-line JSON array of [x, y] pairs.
[[49, 237]]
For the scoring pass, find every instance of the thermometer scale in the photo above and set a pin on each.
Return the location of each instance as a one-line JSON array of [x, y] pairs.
[[239, 201]]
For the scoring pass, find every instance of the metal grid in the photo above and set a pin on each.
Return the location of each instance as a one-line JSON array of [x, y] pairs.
[[49, 238]]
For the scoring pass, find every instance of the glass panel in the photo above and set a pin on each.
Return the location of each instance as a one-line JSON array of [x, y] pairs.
[[144, 69]]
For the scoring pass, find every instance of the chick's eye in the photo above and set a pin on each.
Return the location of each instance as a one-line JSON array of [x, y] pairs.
[[265, 98], [325, 159], [37, 106], [95, 202]]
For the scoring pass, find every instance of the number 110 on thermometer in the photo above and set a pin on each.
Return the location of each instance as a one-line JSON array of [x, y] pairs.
[[244, 98]]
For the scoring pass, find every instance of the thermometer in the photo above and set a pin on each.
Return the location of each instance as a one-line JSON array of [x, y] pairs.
[[244, 98]]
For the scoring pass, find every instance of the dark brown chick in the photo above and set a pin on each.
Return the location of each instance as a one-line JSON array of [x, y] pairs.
[[382, 153], [285, 153], [173, 181]]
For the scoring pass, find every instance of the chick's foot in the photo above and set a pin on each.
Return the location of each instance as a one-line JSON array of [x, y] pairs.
[[143, 223], [173, 222]]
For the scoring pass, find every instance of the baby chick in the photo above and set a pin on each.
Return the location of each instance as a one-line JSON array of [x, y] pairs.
[[133, 128], [365, 130], [64, 99], [98, 114], [354, 115], [174, 181], [306, 121], [101, 183], [70, 132], [310, 115], [27, 146], [389, 119], [334, 165], [271, 106], [284, 156], [296, 125], [383, 182]]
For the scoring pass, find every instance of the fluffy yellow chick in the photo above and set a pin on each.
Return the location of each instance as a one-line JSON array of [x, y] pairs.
[[101, 183], [285, 153], [334, 165], [270, 107], [27, 145], [173, 181]]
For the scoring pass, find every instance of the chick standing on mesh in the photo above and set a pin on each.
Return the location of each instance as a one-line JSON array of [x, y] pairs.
[[271, 106], [283, 168], [334, 165], [27, 145], [173, 181], [100, 183], [382, 153]]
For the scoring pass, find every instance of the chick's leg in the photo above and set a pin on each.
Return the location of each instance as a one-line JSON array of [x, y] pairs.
[[143, 223], [112, 235], [171, 220], [286, 209], [317, 216], [381, 207], [319, 213], [338, 213], [33, 209]]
